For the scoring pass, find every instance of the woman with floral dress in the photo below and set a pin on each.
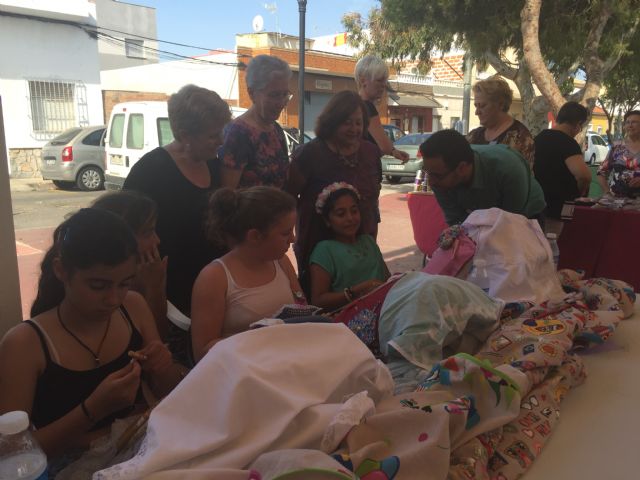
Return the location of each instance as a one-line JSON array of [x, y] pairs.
[[620, 172], [254, 150]]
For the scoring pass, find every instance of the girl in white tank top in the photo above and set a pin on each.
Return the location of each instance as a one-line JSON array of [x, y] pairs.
[[253, 280]]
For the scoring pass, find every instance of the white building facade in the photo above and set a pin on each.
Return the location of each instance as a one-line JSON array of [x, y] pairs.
[[50, 69], [127, 34], [49, 74]]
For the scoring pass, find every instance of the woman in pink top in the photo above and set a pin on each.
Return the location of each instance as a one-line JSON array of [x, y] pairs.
[[255, 278]]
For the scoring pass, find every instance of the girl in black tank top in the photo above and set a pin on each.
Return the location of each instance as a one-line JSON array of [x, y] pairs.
[[70, 367]]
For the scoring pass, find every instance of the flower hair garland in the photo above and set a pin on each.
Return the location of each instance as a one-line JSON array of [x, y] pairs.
[[326, 192]]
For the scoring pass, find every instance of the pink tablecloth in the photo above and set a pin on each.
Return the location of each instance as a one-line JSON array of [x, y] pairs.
[[427, 220], [604, 243]]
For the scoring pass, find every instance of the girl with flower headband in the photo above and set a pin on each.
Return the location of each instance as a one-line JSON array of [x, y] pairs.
[[350, 264], [339, 153]]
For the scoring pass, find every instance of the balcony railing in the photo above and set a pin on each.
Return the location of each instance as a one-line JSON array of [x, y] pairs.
[[424, 80]]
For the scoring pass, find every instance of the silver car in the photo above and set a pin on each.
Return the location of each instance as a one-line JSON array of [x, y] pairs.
[[76, 156]]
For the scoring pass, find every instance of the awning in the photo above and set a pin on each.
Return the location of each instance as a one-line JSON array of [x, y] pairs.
[[398, 99]]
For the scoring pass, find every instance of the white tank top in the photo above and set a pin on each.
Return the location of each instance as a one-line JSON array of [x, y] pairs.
[[247, 305]]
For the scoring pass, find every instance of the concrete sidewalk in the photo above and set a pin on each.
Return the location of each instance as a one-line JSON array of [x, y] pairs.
[[33, 184]]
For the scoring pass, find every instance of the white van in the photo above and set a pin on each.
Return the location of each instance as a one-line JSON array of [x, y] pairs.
[[134, 129]]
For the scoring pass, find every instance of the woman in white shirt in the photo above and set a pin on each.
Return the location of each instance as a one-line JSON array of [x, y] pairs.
[[255, 278]]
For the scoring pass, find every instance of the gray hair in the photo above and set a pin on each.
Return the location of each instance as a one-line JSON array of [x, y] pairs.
[[194, 108], [261, 70], [370, 67]]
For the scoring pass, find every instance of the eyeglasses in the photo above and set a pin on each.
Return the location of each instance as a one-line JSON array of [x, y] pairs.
[[439, 176], [632, 122], [279, 96]]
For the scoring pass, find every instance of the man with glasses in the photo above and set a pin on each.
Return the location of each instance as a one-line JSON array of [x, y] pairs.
[[467, 177]]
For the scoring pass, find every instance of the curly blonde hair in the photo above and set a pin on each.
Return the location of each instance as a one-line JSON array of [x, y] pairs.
[[497, 90]]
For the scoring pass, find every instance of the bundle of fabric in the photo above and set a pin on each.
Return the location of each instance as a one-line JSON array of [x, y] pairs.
[[426, 318], [262, 390], [541, 342], [518, 258], [260, 402]]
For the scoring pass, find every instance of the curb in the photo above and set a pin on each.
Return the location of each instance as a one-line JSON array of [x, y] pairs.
[[30, 185]]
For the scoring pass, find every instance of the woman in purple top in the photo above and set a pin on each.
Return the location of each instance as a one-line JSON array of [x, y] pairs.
[[337, 154], [254, 150]]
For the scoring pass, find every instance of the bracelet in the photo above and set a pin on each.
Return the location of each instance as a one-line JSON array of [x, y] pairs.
[[348, 294], [85, 410]]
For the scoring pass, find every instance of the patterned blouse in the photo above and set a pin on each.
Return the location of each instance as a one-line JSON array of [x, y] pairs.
[[262, 156], [620, 166], [517, 136]]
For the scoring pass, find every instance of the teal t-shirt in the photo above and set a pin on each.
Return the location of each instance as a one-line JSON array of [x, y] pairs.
[[349, 264], [501, 178]]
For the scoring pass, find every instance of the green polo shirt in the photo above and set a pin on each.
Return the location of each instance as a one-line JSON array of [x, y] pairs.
[[501, 178]]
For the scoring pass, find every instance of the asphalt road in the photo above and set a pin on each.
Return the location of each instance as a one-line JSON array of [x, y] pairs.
[[41, 209]]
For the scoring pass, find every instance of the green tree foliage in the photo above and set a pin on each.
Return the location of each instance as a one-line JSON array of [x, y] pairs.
[[622, 87], [574, 35]]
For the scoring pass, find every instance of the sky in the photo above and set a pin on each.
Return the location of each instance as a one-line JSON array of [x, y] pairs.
[[213, 24]]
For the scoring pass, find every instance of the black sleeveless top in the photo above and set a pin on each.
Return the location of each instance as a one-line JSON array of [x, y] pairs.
[[60, 390]]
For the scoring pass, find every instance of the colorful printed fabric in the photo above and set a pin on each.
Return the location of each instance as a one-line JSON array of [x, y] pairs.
[[411, 436], [509, 450], [620, 166], [262, 156], [517, 136], [539, 341]]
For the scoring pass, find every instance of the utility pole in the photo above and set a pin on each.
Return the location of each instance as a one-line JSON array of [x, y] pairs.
[[466, 96], [302, 9], [10, 304]]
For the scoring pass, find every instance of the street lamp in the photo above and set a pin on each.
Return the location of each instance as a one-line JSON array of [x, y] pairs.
[[302, 9]]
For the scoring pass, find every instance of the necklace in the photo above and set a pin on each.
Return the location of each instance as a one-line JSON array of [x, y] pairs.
[[96, 354], [349, 160]]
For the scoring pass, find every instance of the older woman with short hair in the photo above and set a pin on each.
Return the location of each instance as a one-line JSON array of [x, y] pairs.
[[337, 154], [179, 178], [371, 75], [492, 100], [254, 150]]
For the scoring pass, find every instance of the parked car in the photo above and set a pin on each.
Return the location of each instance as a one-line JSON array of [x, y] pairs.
[[393, 132], [393, 169], [596, 148], [76, 156]]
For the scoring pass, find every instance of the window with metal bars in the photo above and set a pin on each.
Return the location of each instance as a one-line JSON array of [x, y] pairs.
[[56, 105]]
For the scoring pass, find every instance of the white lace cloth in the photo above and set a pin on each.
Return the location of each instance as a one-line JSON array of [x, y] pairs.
[[262, 390]]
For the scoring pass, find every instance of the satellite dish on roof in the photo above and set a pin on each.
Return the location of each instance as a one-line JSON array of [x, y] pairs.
[[257, 23]]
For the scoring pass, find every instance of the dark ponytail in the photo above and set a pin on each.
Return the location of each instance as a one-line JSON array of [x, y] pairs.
[[50, 289], [87, 238]]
